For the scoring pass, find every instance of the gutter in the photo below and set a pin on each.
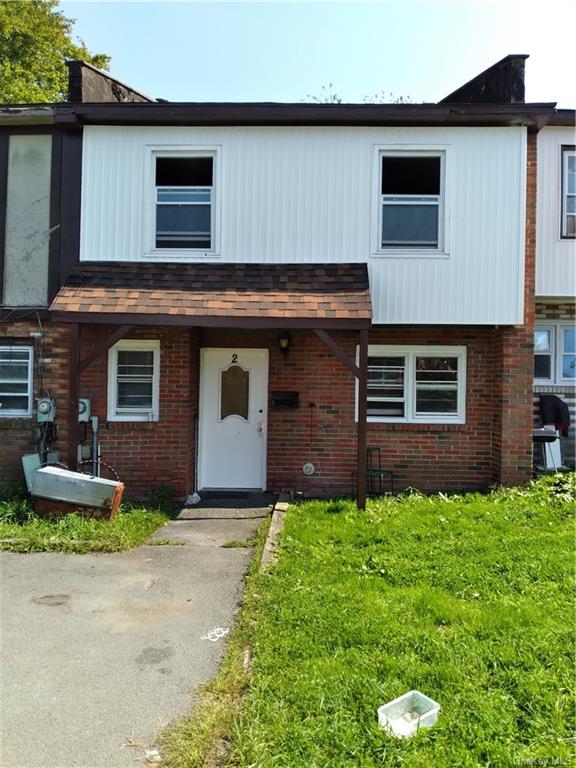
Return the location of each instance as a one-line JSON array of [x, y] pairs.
[[27, 115], [534, 116]]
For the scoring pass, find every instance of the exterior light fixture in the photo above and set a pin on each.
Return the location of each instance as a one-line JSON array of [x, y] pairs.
[[284, 342]]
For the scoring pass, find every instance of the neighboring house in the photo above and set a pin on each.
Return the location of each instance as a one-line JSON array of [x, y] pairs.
[[555, 332], [245, 290]]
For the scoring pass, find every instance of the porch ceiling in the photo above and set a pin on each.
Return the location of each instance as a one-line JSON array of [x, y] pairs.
[[224, 295]]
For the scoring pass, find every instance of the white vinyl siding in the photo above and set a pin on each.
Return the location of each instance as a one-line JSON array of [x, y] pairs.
[[16, 369], [134, 381], [307, 195], [555, 255], [425, 385]]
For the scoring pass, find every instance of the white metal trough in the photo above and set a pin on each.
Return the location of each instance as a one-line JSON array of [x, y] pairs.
[[76, 489]]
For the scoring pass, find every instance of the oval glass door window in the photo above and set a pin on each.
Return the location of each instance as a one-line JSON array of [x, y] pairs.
[[234, 392]]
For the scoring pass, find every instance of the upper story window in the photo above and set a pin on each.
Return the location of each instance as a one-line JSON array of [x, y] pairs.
[[411, 202], [554, 353], [182, 212], [417, 384], [568, 192], [16, 381], [184, 206]]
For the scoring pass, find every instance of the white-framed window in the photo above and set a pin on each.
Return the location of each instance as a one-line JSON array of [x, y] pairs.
[[183, 218], [567, 353], [554, 353], [544, 344], [16, 388], [416, 384], [134, 380], [568, 192], [410, 199]]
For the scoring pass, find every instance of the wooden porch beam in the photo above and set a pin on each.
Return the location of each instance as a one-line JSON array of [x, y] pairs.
[[362, 421], [338, 351], [104, 346], [73, 396]]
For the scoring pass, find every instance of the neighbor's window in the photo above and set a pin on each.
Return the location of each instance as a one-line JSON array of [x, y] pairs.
[[568, 353], [554, 353], [184, 202], [133, 381], [543, 353], [568, 192], [411, 189], [16, 381], [419, 384]]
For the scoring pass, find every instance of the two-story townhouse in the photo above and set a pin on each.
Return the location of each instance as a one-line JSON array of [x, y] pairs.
[[555, 332], [251, 294]]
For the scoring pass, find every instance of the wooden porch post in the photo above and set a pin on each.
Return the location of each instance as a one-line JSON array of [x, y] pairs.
[[362, 411], [73, 395]]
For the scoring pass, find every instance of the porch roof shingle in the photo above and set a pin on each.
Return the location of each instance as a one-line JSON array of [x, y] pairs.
[[211, 294]]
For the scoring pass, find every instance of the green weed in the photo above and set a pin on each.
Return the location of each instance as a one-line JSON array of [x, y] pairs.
[[22, 531]]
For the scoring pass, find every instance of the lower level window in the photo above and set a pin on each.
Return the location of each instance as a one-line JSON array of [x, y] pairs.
[[554, 353], [416, 384], [133, 381], [16, 381]]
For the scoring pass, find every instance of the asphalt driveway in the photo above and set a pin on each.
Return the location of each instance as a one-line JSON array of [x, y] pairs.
[[99, 652]]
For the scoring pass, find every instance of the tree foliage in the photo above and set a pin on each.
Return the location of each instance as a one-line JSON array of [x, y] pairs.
[[35, 41]]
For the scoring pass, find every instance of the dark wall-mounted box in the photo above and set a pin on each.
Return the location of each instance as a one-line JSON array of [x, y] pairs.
[[285, 399]]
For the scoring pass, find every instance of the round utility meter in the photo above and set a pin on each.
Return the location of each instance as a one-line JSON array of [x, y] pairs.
[[82, 405], [44, 407], [308, 469]]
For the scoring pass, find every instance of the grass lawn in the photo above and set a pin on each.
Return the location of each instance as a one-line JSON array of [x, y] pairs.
[[466, 598], [22, 531]]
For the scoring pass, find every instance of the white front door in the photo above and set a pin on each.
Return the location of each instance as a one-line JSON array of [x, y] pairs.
[[233, 418]]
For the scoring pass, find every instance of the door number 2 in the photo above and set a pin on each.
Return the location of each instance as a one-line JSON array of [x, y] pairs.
[[234, 358]]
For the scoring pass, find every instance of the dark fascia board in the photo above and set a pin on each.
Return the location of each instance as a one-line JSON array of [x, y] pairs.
[[208, 321], [564, 117], [531, 115], [16, 314]]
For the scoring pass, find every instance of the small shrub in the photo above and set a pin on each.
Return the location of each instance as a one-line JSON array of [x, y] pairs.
[[162, 498], [12, 492]]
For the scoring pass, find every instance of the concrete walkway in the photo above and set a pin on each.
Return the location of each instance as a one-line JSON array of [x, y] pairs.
[[98, 653]]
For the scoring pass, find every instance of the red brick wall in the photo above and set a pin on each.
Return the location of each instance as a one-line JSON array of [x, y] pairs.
[[429, 457], [149, 454], [515, 355], [17, 435]]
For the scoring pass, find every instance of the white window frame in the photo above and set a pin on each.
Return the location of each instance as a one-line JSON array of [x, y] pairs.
[[15, 414], [561, 329], [143, 414], [410, 353], [556, 352], [551, 329], [567, 151], [443, 248], [182, 151]]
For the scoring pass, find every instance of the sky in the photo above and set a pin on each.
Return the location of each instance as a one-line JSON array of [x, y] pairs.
[[297, 51]]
